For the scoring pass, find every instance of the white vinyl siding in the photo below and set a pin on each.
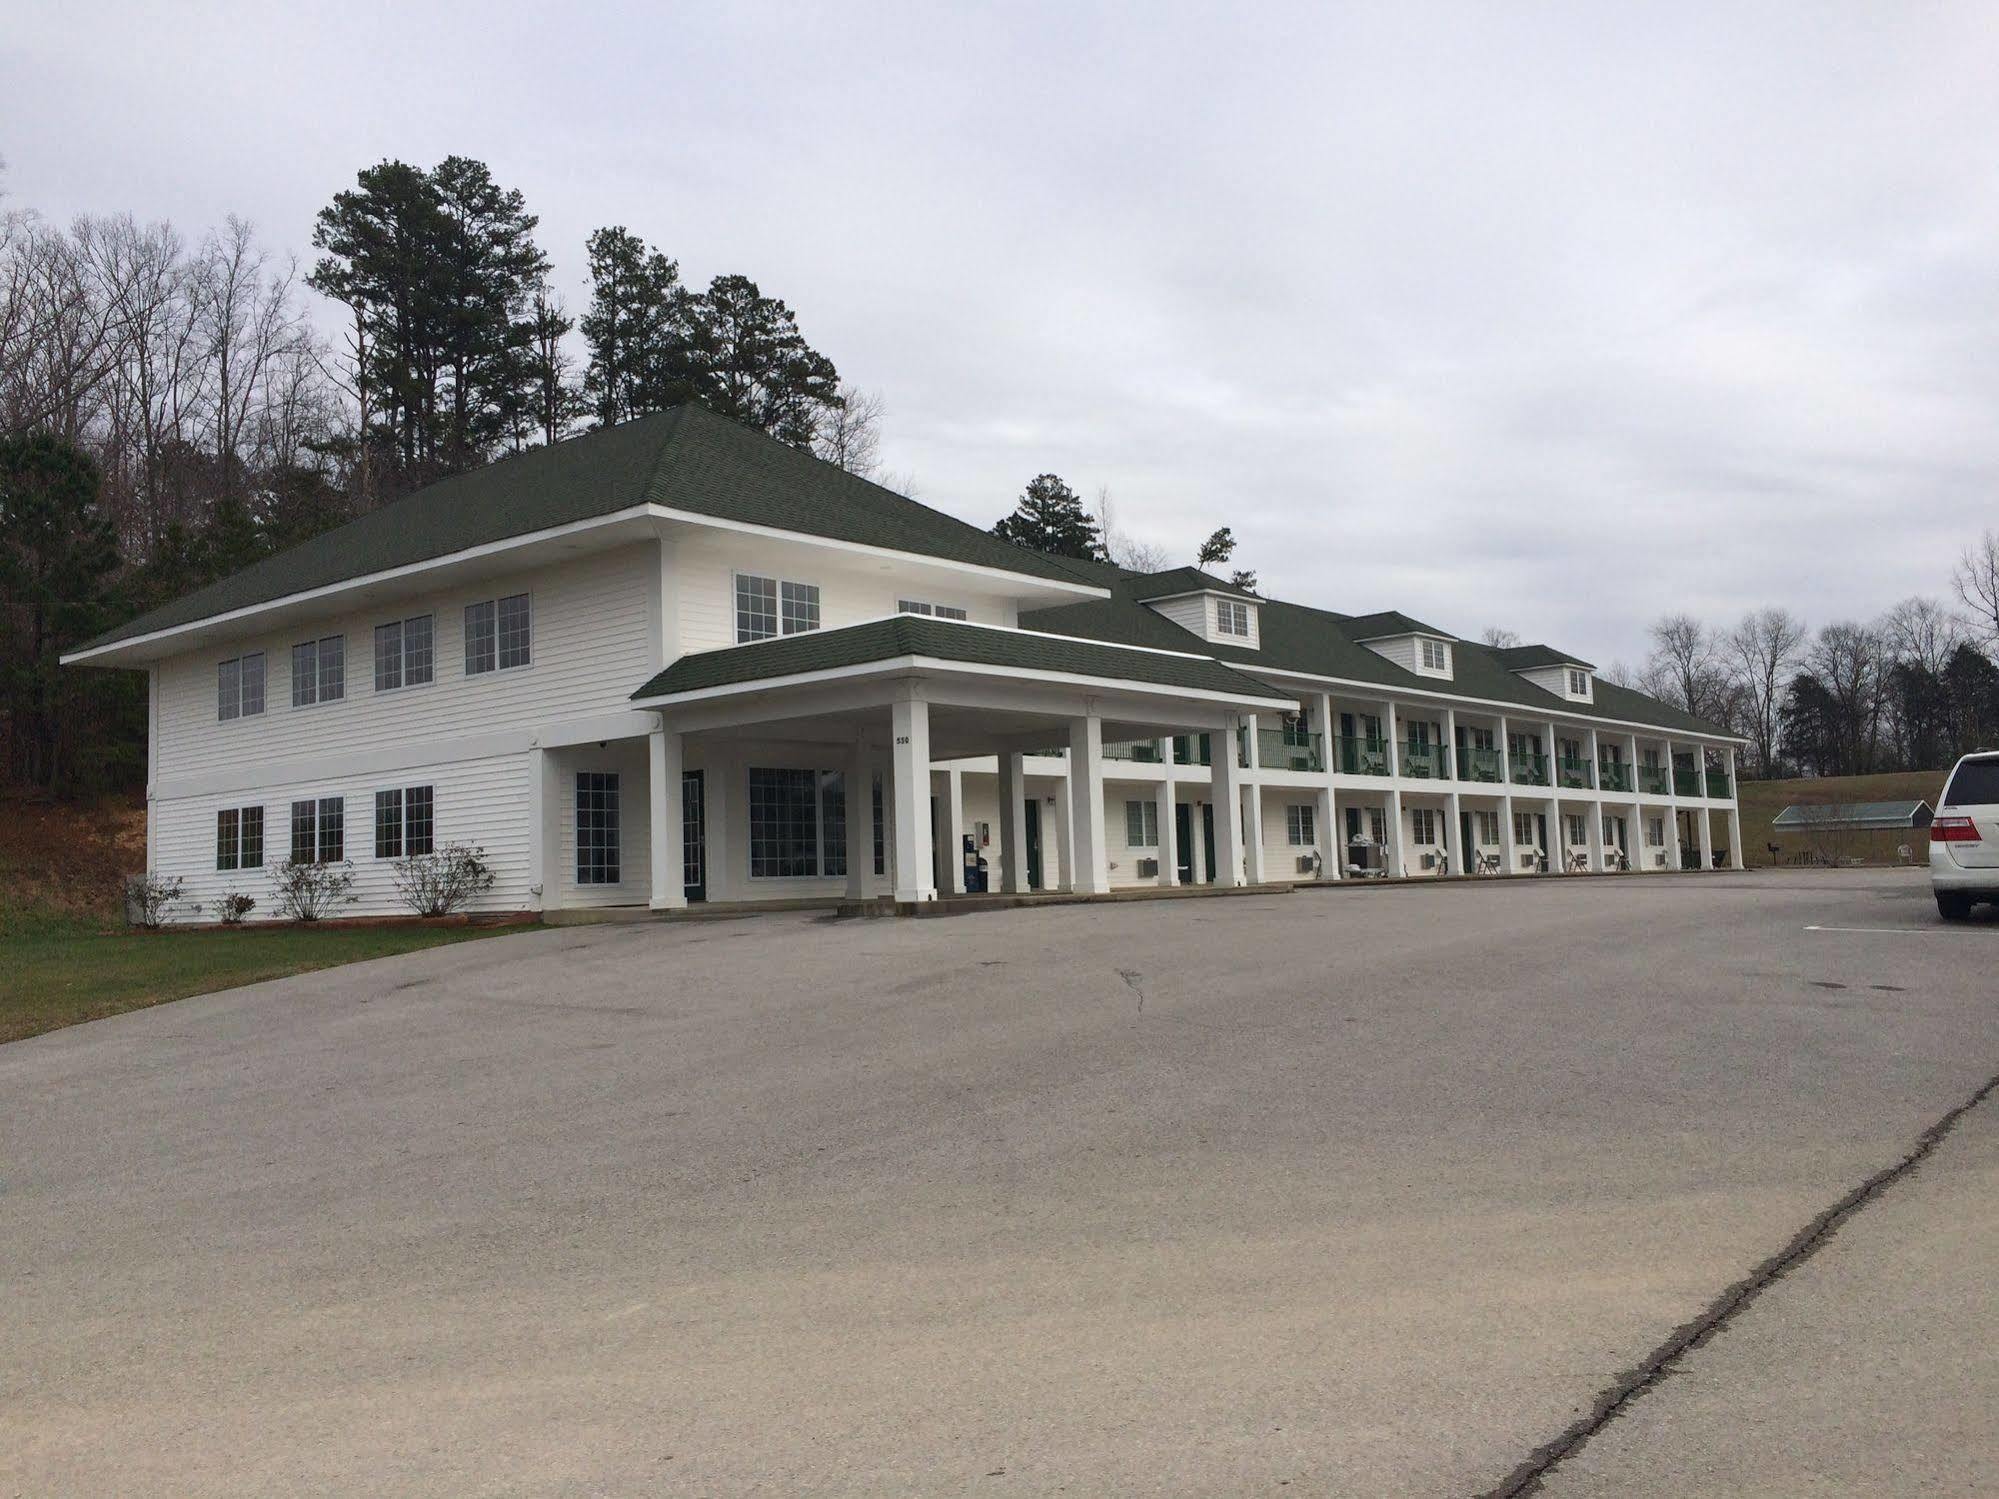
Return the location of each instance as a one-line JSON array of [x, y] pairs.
[[592, 644], [484, 802], [1424, 655]]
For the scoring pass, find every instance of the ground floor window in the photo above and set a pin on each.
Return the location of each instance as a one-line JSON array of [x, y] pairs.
[[1423, 827], [1655, 832], [319, 831], [881, 828], [1300, 825], [404, 822], [1485, 827], [1578, 829], [239, 838], [1523, 828], [597, 840], [798, 823], [1141, 824]]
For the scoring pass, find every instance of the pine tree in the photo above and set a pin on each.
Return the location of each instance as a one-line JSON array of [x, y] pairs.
[[636, 328], [1050, 518]]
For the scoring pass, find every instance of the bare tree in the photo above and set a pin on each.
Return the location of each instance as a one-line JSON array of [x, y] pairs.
[[1499, 637], [1977, 583], [1126, 550], [1762, 651], [1849, 663], [247, 318], [1685, 669], [849, 433], [1921, 631]]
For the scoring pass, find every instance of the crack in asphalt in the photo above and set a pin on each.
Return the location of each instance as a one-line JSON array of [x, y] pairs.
[[1731, 1303]]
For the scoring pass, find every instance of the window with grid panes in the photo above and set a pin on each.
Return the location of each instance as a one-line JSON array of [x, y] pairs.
[[597, 841]]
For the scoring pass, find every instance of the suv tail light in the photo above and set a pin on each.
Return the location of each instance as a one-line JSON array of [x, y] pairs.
[[1954, 830]]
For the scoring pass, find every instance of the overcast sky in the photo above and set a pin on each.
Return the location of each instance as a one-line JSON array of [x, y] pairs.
[[1544, 316]]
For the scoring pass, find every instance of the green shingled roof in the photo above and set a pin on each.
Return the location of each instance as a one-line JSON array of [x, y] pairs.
[[1181, 580], [1319, 642], [1527, 657], [687, 458], [946, 640]]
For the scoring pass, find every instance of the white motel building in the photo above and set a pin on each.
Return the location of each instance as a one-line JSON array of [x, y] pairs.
[[677, 661]]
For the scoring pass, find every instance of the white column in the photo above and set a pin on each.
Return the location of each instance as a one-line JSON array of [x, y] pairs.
[[544, 829], [1226, 799], [669, 890], [1197, 853], [1450, 758], [1705, 825], [1391, 856], [1255, 868], [1734, 812], [1169, 837], [1252, 752], [1510, 850], [859, 779], [1454, 836], [910, 720], [1065, 836], [1596, 811], [720, 772], [954, 830], [1332, 858], [1557, 840], [1013, 822], [1393, 730], [1595, 765], [1086, 804]]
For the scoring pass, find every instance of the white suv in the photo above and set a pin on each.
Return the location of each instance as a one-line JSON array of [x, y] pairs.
[[1964, 837]]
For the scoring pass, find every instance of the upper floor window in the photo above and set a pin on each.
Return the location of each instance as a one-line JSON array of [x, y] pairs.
[[1231, 617], [766, 607], [239, 686], [404, 653], [917, 606], [1435, 656], [497, 634], [319, 671], [1578, 683]]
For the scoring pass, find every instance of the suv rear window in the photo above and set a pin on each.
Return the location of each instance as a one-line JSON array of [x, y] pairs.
[[1976, 784]]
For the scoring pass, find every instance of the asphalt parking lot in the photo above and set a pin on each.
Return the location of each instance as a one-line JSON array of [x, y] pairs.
[[1370, 1192]]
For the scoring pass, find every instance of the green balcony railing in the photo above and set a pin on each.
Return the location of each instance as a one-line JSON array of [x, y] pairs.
[[1288, 749], [1476, 764], [1361, 757], [1652, 780], [1425, 762], [1717, 784], [1614, 775], [1192, 749], [1686, 782], [1145, 751], [1530, 770], [1573, 774]]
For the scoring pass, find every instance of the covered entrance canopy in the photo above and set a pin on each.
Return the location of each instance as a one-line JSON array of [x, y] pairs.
[[892, 695]]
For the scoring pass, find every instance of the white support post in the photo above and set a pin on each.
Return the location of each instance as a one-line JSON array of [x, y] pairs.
[[1504, 744], [954, 828], [544, 828], [1705, 826], [910, 719], [1557, 840], [1255, 870], [1226, 801], [1331, 862], [1734, 813], [1595, 766], [1065, 838], [1450, 754], [1674, 861], [1508, 844], [1169, 833], [1456, 844], [1013, 822], [1252, 752], [1086, 804], [1596, 862], [669, 889], [1393, 729], [1391, 856], [719, 774]]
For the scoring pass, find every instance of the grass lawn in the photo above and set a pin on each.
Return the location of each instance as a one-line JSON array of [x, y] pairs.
[[1761, 801], [58, 970]]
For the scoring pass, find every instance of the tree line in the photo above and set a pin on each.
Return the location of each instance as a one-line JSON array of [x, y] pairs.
[[170, 409], [1911, 690]]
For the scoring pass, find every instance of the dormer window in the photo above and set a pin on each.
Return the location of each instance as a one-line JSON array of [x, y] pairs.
[[1578, 682], [1435, 655], [1232, 618]]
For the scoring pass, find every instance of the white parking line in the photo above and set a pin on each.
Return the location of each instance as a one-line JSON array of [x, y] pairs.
[[1924, 931]]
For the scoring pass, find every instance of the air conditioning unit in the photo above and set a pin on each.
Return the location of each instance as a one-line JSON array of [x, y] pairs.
[[1148, 869], [1308, 864], [1432, 861], [1529, 859]]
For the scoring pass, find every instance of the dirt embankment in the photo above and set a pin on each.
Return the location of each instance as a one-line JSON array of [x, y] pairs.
[[69, 856]]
